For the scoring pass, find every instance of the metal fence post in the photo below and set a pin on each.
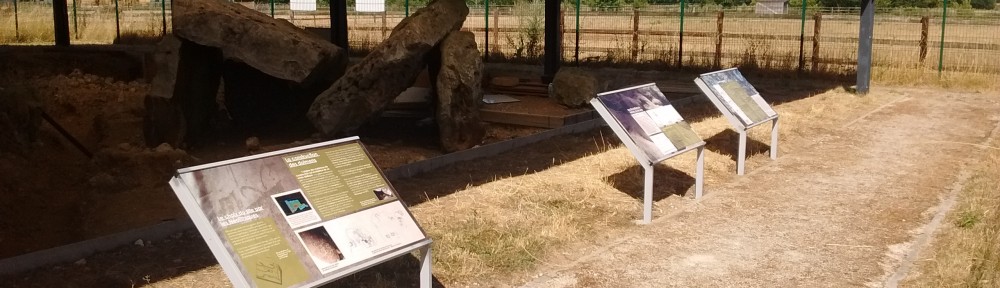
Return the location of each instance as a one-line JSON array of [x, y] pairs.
[[118, 28], [272, 8], [163, 15], [76, 30], [576, 49], [802, 37], [17, 30], [486, 33], [406, 5], [944, 19], [680, 45]]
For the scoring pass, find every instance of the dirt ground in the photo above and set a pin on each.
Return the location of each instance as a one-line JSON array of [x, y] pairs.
[[839, 210]]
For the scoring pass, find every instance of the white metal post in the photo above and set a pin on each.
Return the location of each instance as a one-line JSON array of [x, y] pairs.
[[425, 267], [647, 204], [699, 180], [774, 138], [741, 158]]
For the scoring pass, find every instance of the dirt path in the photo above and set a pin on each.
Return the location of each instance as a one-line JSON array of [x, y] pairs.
[[840, 211]]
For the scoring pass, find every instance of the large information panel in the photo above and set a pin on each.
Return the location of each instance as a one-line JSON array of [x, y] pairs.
[[652, 130], [737, 97], [741, 105], [298, 217], [648, 120]]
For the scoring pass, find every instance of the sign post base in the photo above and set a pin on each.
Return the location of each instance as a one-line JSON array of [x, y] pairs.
[[699, 183]]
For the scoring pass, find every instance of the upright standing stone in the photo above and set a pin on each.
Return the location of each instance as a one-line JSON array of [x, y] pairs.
[[368, 87], [459, 93], [181, 100]]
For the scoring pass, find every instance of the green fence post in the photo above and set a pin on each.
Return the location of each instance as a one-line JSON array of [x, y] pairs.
[[576, 50], [272, 8], [163, 15], [76, 31], [118, 27], [802, 38], [17, 30], [407, 6], [486, 32], [944, 19], [680, 45]]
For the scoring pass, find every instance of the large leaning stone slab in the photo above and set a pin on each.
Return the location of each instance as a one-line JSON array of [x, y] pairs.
[[459, 92], [273, 46], [368, 87]]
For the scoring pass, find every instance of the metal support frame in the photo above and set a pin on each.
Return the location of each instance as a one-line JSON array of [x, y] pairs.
[[426, 277], [553, 54], [647, 190], [865, 46], [742, 155], [338, 25], [60, 17]]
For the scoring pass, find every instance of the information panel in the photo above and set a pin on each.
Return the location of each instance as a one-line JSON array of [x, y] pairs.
[[737, 96], [297, 217], [302, 5], [649, 120], [369, 6]]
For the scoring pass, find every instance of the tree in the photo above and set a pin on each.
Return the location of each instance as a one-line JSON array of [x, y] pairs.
[[984, 4]]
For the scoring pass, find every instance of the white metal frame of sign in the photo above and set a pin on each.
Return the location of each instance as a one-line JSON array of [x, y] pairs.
[[738, 125], [644, 159], [226, 259]]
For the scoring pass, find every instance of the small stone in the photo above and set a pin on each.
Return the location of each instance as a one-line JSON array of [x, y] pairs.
[[253, 144], [139, 243], [81, 262], [164, 148]]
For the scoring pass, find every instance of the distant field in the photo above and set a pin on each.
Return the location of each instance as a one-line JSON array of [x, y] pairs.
[[971, 44]]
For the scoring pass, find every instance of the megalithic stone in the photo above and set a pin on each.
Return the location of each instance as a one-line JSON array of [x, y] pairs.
[[459, 91], [368, 87], [272, 46]]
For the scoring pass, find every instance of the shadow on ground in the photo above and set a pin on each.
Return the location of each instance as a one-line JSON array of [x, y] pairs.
[[667, 181], [727, 142]]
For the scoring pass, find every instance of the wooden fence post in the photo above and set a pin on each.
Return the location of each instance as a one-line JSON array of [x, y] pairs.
[[925, 25], [818, 18], [562, 33], [384, 29], [718, 41], [635, 35], [496, 29]]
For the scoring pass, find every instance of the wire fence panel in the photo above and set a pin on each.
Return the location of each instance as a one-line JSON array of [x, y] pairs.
[[821, 39]]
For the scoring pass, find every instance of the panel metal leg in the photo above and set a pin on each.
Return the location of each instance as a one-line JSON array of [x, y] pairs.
[[425, 267], [699, 180], [647, 204], [774, 138], [741, 157]]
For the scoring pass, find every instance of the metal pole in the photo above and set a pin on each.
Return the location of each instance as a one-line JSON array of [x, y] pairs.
[[118, 29], [60, 19], [944, 19], [552, 46], [680, 45], [338, 25], [76, 30], [802, 37], [163, 14], [576, 51], [17, 30], [486, 32], [407, 6], [865, 46], [272, 8]]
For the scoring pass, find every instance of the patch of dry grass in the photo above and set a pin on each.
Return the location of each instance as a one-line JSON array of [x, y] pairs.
[[966, 251]]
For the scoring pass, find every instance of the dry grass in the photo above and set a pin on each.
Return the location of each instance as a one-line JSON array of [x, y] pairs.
[[93, 25], [966, 251]]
